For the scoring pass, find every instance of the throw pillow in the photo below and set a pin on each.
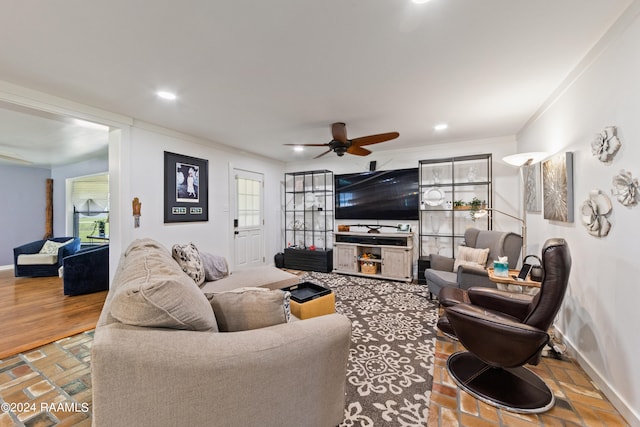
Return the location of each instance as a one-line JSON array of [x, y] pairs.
[[51, 248], [151, 290], [188, 257], [471, 256], [215, 266], [250, 308]]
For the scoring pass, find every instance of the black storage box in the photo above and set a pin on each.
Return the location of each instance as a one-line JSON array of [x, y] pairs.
[[308, 260], [306, 291]]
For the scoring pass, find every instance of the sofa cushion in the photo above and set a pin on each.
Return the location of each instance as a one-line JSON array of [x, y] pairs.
[[471, 256], [215, 266], [38, 259], [263, 276], [51, 248], [153, 291], [250, 308], [188, 257]]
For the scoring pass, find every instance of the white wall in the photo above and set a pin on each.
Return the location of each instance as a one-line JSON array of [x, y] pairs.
[[146, 181], [600, 316], [506, 182], [505, 178]]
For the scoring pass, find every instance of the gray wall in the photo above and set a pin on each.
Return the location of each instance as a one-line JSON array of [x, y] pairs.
[[22, 215]]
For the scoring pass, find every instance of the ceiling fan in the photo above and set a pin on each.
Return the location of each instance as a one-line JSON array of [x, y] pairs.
[[340, 144]]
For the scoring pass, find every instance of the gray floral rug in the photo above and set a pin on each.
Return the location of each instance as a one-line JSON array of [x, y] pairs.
[[390, 370]]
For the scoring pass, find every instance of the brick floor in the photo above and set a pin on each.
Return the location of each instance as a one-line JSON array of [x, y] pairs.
[[49, 386], [578, 401]]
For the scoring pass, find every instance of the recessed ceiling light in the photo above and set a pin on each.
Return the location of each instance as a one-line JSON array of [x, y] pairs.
[[440, 126], [169, 96], [298, 148], [419, 1]]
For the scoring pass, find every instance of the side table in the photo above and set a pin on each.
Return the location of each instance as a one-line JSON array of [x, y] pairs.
[[511, 284], [311, 300]]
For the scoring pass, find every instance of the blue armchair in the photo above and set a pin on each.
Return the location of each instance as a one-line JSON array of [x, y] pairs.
[[28, 262], [86, 271]]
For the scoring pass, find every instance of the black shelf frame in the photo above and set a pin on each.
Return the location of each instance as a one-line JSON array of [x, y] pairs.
[[456, 188]]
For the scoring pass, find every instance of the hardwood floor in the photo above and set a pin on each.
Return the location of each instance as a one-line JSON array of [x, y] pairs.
[[34, 312]]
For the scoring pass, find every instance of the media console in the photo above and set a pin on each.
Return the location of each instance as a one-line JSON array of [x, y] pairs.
[[380, 255]]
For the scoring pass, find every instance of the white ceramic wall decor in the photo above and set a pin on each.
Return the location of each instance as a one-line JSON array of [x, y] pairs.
[[606, 144], [625, 188], [594, 212]]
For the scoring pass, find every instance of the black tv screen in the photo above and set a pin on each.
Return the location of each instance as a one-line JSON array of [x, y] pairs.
[[389, 194]]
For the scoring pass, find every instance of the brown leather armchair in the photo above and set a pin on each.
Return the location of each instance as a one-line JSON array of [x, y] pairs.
[[504, 331]]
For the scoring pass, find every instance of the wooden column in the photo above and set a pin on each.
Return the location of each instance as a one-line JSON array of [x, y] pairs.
[[48, 220]]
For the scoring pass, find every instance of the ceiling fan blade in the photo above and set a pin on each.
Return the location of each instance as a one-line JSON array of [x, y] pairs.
[[320, 155], [339, 132], [374, 139], [308, 145], [358, 151]]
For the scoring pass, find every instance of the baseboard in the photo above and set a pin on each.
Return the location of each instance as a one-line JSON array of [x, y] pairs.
[[6, 267], [628, 413]]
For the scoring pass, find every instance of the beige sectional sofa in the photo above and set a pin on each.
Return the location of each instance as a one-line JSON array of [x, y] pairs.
[[263, 276], [184, 373]]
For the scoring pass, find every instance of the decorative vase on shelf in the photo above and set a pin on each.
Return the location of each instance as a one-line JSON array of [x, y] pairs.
[[437, 173], [435, 224], [471, 174]]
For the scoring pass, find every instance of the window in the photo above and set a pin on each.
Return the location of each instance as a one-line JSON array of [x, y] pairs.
[[90, 198], [248, 202]]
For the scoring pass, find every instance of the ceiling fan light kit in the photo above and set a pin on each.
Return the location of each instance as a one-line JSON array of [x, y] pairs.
[[340, 144]]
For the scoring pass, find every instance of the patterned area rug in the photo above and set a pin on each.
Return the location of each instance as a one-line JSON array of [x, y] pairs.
[[390, 370], [389, 376]]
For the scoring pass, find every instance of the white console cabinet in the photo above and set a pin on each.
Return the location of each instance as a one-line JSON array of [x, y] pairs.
[[380, 255]]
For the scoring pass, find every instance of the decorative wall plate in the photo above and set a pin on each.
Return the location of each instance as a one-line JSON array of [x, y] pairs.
[[594, 212], [625, 188], [433, 196], [606, 144]]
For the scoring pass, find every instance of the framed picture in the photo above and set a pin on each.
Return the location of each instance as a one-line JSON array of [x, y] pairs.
[[186, 192], [532, 187], [557, 187]]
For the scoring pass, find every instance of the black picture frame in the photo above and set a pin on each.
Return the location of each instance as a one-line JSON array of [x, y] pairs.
[[186, 189]]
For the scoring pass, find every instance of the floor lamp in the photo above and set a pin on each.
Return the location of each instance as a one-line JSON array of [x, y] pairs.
[[520, 160]]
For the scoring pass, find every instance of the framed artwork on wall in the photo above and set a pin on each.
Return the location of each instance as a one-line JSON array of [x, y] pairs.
[[532, 187], [186, 192], [557, 187]]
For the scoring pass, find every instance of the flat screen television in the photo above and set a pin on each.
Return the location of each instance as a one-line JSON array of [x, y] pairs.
[[391, 195]]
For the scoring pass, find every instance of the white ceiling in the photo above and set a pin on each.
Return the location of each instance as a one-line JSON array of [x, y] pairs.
[[29, 137], [259, 74]]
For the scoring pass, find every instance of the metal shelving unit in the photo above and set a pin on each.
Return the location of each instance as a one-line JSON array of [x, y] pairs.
[[308, 220], [447, 188]]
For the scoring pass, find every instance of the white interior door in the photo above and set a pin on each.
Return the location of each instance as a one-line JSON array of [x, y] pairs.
[[248, 223]]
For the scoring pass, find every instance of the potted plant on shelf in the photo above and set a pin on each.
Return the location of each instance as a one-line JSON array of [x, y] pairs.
[[475, 204]]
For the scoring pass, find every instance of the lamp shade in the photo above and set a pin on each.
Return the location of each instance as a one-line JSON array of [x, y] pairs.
[[90, 205], [520, 159]]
